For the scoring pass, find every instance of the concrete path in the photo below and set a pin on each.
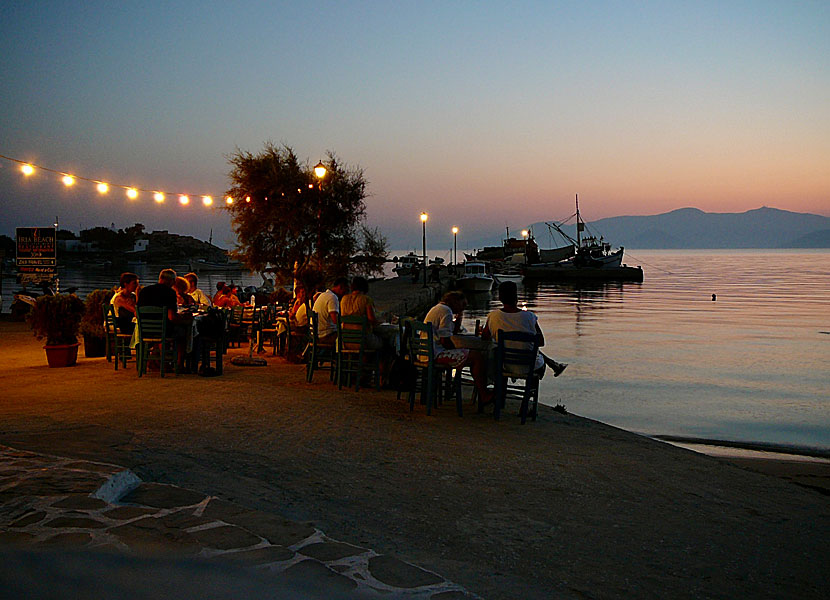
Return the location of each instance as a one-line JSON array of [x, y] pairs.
[[48, 502]]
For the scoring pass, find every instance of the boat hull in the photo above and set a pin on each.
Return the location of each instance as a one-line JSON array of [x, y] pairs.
[[474, 284], [541, 272]]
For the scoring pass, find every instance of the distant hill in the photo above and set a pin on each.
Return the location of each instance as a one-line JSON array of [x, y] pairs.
[[692, 228]]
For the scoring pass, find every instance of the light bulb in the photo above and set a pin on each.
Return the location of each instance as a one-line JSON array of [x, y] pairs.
[[158, 197], [103, 188], [68, 180], [132, 193], [183, 200], [27, 170]]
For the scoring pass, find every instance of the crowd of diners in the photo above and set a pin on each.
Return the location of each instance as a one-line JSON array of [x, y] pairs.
[[343, 297]]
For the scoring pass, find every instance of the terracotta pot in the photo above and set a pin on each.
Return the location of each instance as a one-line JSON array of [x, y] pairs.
[[94, 347], [63, 355]]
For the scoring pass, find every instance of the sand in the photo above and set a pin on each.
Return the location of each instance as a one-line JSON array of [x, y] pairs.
[[565, 507]]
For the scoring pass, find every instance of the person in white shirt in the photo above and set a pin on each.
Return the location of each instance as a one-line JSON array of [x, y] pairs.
[[198, 295], [445, 318], [327, 307], [511, 318]]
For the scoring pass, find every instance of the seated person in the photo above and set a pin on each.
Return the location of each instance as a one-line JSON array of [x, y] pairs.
[[226, 298], [445, 318], [193, 289], [511, 318], [183, 299], [298, 313], [359, 304], [124, 301], [327, 307], [162, 294], [219, 287]]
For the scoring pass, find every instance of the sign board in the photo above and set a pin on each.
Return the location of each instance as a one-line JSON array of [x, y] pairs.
[[36, 253]]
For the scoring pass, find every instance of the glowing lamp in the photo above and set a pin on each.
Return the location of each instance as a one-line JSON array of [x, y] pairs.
[[228, 200], [132, 193], [424, 217], [103, 188], [247, 198], [184, 200], [524, 233], [27, 170], [68, 180], [207, 200], [454, 230], [320, 170]]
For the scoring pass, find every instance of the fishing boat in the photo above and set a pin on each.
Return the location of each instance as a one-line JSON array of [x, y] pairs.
[[591, 258], [475, 278], [405, 265]]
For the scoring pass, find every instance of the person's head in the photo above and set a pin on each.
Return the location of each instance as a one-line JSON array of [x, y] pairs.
[[167, 277], [128, 281], [455, 300], [340, 286], [192, 281], [508, 293], [180, 284], [300, 293], [220, 286], [359, 284]]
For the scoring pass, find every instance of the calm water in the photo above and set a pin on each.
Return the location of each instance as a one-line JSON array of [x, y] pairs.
[[660, 357]]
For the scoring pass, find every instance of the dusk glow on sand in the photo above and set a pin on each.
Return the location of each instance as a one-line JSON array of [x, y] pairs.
[[481, 115]]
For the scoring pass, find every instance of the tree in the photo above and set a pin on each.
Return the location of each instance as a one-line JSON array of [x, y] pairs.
[[289, 223]]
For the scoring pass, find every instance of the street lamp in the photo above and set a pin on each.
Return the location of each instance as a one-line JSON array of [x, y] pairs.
[[525, 233], [320, 172], [424, 217], [455, 246]]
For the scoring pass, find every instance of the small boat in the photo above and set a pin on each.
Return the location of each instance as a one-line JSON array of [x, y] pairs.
[[590, 258], [201, 265], [475, 278], [406, 264]]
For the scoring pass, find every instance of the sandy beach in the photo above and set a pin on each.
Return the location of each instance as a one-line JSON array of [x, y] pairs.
[[565, 507]]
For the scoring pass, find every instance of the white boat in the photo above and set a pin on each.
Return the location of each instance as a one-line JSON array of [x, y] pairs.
[[475, 278], [406, 264]]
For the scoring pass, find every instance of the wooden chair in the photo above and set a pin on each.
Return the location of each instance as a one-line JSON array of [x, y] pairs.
[[353, 358], [153, 343], [214, 343], [235, 325], [320, 353], [118, 344], [516, 359], [422, 355]]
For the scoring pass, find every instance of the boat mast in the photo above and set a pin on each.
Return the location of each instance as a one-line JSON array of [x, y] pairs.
[[578, 224]]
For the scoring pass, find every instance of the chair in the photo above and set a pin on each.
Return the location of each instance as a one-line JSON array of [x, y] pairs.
[[422, 355], [516, 359], [352, 355], [118, 344], [215, 340], [320, 353], [235, 325], [270, 327], [153, 343]]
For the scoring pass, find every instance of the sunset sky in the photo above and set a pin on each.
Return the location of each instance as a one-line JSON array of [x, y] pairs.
[[483, 114]]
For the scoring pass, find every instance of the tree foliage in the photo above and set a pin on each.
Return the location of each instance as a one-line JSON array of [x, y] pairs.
[[290, 223]]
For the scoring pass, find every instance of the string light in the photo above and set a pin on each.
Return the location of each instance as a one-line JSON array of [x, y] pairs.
[[132, 192]]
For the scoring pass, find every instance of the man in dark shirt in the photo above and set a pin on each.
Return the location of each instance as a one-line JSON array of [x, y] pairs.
[[162, 294]]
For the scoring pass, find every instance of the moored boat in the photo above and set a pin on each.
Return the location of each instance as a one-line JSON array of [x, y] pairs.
[[475, 278], [406, 264]]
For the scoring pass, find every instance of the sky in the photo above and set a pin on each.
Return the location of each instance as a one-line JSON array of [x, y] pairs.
[[482, 114]]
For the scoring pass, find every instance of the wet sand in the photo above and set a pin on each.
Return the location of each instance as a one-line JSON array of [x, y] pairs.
[[564, 507]]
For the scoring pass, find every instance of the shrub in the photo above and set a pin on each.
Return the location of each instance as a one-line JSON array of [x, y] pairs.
[[56, 318], [92, 324]]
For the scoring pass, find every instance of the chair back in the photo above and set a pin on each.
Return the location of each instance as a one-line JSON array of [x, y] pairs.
[[236, 315], [151, 322], [351, 332], [516, 353], [312, 331], [421, 346]]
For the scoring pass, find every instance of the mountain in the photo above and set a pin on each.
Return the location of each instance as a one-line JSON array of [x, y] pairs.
[[692, 228]]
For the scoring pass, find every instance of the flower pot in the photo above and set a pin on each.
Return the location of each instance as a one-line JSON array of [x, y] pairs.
[[63, 355], [94, 347]]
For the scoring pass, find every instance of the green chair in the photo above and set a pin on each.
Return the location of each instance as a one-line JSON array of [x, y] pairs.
[[213, 340], [118, 344], [320, 353], [435, 379], [353, 358], [516, 359], [153, 343]]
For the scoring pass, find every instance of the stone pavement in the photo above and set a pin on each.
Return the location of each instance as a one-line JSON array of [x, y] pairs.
[[53, 503]]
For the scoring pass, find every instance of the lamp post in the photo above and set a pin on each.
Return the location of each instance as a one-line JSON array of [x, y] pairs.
[[320, 172], [525, 233], [454, 246], [424, 217]]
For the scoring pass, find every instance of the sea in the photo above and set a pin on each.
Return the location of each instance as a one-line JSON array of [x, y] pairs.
[[728, 345]]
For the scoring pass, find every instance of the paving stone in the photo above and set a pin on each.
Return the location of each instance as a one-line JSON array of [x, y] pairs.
[[225, 537], [91, 466], [222, 510], [56, 482], [80, 502], [452, 595], [16, 537], [397, 573], [28, 519], [151, 535], [184, 519], [160, 495], [314, 576], [69, 539], [275, 529], [80, 522], [329, 551], [259, 556], [122, 513]]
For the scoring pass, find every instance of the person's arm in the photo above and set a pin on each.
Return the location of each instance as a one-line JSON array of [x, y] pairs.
[[540, 337], [370, 315], [485, 333]]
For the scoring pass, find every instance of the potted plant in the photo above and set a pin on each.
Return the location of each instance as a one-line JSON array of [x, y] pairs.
[[92, 323], [57, 318]]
